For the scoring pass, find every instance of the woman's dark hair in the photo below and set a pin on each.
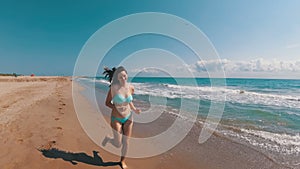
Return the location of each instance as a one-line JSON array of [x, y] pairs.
[[113, 74], [109, 73]]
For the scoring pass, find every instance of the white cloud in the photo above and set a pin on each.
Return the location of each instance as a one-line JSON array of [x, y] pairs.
[[257, 68], [150, 71], [167, 70], [257, 65], [291, 46]]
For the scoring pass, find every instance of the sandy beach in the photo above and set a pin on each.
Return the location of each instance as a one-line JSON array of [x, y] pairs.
[[40, 129]]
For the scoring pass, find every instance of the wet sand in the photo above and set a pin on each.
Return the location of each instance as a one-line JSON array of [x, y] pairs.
[[40, 129]]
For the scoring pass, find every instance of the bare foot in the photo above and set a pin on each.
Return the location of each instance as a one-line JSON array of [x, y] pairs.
[[105, 140], [123, 165]]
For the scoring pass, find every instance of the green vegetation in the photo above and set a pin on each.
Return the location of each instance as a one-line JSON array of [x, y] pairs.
[[10, 74]]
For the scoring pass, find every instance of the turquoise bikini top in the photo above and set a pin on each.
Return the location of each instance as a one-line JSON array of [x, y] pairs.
[[119, 99]]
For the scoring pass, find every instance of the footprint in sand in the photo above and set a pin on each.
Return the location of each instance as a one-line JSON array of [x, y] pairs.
[[48, 145], [59, 128], [62, 104], [5, 106], [20, 140]]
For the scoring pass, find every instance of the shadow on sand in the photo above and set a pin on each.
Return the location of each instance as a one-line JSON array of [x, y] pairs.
[[77, 157]]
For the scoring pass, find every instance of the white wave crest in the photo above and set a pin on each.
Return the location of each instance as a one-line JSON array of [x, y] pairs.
[[216, 94], [281, 139]]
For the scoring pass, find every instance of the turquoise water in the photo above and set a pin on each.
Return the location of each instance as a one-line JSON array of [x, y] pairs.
[[271, 105], [263, 113]]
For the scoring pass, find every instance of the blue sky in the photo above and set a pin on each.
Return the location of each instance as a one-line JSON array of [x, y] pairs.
[[253, 38]]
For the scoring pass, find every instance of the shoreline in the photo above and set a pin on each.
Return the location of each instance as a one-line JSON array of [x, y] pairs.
[[45, 133], [34, 78], [211, 158]]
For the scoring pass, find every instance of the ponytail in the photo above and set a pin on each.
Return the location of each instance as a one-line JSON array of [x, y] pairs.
[[109, 73], [112, 74]]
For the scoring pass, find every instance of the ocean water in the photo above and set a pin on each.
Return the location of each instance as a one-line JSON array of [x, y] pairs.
[[261, 113]]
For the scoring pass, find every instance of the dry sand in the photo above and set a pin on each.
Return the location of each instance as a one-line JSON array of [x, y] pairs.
[[40, 130]]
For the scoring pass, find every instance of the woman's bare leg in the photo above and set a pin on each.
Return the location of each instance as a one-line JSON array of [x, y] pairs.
[[127, 129], [117, 135]]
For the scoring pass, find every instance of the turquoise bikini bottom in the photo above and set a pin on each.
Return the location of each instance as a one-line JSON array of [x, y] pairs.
[[121, 120]]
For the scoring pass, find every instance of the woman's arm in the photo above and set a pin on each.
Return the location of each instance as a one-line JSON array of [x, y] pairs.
[[108, 100], [132, 107]]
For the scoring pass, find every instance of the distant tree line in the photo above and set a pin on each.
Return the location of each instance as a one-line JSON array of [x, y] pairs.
[[10, 74]]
